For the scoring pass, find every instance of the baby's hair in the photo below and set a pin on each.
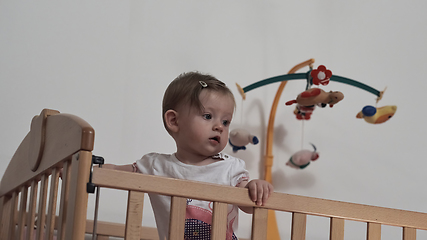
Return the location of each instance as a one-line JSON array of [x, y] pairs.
[[186, 88]]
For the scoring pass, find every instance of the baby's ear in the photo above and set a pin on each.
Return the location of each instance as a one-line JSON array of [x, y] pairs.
[[171, 120]]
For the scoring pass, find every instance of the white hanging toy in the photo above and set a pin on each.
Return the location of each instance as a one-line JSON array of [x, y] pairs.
[[239, 138], [302, 158]]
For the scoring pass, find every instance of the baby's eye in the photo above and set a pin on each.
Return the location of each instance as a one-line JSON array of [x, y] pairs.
[[207, 116], [225, 122]]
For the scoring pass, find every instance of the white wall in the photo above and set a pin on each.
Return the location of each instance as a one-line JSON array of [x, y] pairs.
[[110, 61]]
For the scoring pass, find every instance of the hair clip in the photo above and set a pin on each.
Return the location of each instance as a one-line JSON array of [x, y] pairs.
[[203, 84]]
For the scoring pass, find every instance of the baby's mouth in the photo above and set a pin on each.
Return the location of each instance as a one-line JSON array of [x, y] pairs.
[[216, 139]]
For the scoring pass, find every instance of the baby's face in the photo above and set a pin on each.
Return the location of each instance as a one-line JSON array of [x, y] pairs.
[[205, 133]]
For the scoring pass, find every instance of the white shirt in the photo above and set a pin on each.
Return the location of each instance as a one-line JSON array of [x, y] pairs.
[[228, 171]]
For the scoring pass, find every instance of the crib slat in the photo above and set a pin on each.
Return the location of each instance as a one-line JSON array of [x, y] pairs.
[[299, 223], [15, 215], [66, 169], [374, 231], [8, 216], [11, 221], [22, 211], [259, 224], [409, 233], [41, 213], [1, 212], [134, 215], [53, 193], [2, 203], [219, 221], [4, 210], [78, 196], [177, 218], [32, 209], [337, 229]]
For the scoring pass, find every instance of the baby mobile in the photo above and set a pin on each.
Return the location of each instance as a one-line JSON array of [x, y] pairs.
[[306, 102]]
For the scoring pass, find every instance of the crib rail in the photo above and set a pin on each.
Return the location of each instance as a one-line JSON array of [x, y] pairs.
[[29, 189], [299, 206]]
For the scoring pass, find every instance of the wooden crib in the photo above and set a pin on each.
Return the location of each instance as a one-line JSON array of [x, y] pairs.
[[32, 206]]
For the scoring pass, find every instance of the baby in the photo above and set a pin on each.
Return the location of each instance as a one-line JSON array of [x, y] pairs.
[[197, 111]]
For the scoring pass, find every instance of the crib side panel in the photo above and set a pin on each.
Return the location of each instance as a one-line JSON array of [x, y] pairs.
[[299, 206], [345, 210]]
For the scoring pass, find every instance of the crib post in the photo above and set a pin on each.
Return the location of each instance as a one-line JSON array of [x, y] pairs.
[[78, 197], [177, 218], [374, 231], [65, 189], [409, 233], [299, 223], [22, 211], [53, 194], [259, 224], [134, 215], [8, 216], [32, 209], [41, 213], [219, 221], [13, 211], [337, 229], [2, 202]]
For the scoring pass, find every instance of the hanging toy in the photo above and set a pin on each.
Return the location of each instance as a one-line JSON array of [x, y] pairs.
[[309, 99], [375, 115], [316, 96], [321, 75], [304, 112], [239, 138], [302, 158]]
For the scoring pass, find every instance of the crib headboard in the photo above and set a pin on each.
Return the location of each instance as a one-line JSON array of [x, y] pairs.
[[56, 144]]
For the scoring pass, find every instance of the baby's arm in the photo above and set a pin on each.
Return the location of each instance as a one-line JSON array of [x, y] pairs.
[[259, 192]]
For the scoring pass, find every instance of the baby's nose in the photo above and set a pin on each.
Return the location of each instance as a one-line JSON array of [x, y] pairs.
[[218, 127]]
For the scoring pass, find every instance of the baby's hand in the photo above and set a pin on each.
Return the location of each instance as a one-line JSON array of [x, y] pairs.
[[259, 191]]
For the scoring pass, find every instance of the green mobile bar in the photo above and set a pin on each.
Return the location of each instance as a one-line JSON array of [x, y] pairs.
[[296, 76], [356, 84], [281, 78]]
